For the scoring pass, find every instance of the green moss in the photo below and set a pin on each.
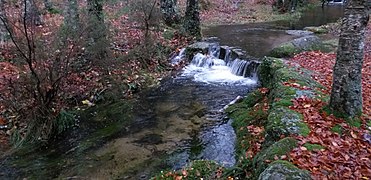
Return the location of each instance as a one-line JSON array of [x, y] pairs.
[[369, 123], [284, 50], [284, 121], [317, 30], [279, 148], [267, 69], [253, 98], [198, 169], [284, 170], [286, 163], [312, 147], [355, 122], [168, 34], [304, 129], [338, 129], [282, 102]]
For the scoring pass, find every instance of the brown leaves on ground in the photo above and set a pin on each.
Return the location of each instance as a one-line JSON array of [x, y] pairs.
[[346, 155]]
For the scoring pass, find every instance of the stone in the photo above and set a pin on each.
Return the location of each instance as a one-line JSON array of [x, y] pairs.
[[269, 154], [284, 121], [289, 49], [280, 170], [299, 32], [306, 42]]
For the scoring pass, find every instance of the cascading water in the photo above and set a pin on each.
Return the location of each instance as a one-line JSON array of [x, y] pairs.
[[217, 67], [218, 77]]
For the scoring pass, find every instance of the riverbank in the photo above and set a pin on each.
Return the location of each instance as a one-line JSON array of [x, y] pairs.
[[284, 129]]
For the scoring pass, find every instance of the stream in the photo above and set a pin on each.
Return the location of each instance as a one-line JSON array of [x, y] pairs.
[[169, 126]]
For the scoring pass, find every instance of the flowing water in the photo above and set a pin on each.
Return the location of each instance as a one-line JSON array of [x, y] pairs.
[[259, 38], [166, 127]]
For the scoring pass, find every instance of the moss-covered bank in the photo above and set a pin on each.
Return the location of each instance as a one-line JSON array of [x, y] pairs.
[[269, 107]]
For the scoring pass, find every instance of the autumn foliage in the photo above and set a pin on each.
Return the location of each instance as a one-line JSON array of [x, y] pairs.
[[345, 153]]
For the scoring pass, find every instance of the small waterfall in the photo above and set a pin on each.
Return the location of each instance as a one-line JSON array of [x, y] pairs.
[[243, 68], [181, 56], [214, 50], [214, 63], [227, 55], [238, 67], [201, 60]]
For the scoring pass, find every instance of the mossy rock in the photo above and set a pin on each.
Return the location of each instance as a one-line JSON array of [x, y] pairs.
[[283, 170], [284, 50], [317, 30], [298, 45], [284, 121], [198, 169], [267, 69], [279, 148], [247, 102]]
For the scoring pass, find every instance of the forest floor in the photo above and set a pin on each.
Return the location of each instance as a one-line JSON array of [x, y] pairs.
[[346, 152]]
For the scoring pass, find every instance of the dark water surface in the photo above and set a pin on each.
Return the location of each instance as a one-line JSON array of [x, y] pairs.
[[259, 38]]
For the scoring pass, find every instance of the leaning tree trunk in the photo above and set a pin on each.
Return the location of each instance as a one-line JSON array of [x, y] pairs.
[[32, 13], [192, 19], [71, 16], [48, 5], [346, 94], [170, 12], [97, 31], [3, 31]]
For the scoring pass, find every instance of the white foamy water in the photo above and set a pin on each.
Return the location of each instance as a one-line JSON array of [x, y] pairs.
[[209, 69]]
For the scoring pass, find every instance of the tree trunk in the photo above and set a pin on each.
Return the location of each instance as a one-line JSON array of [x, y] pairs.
[[32, 13], [97, 32], [3, 31], [192, 19], [71, 16], [170, 12], [48, 5], [346, 94]]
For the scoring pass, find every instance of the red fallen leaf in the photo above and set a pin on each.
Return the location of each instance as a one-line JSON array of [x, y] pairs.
[[283, 157], [353, 135], [2, 121]]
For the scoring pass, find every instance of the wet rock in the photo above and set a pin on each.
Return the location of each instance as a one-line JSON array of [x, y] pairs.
[[238, 53], [211, 39], [150, 139], [202, 47], [306, 43], [223, 52], [299, 32], [279, 170], [196, 120]]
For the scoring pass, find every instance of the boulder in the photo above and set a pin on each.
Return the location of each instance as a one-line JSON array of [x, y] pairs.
[[284, 121], [281, 170], [272, 152], [299, 32], [289, 49]]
